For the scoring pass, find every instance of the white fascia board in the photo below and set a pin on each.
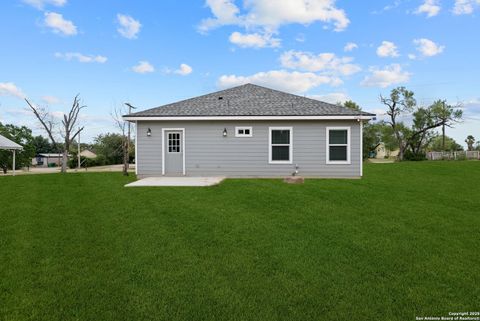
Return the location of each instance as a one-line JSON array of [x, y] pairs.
[[358, 118]]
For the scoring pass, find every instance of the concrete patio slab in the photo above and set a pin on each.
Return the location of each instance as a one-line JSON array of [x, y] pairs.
[[176, 181]]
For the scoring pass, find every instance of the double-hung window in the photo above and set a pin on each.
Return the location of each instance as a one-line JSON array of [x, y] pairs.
[[280, 145], [338, 145]]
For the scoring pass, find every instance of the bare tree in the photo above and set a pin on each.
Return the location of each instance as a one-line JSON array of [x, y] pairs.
[[122, 126], [67, 131]]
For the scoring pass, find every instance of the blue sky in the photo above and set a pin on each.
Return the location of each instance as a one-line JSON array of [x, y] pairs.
[[153, 52]]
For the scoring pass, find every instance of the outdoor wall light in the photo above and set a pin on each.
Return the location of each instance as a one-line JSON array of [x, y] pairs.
[[149, 132], [224, 132]]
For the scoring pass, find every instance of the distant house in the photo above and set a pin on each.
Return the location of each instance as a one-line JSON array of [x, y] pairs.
[[47, 160], [383, 152], [88, 154], [249, 131]]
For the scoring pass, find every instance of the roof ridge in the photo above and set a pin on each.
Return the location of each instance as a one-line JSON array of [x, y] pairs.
[[249, 99]]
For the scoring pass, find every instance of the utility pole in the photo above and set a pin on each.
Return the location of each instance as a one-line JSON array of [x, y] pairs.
[[78, 153], [130, 107]]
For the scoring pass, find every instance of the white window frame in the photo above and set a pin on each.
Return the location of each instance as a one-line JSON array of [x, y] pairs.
[[270, 161], [243, 128], [328, 161]]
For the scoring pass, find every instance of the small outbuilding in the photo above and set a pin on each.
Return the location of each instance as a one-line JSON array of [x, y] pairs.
[[249, 131], [7, 144], [47, 160]]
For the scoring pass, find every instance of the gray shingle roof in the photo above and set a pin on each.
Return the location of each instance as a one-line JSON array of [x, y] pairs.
[[248, 100]]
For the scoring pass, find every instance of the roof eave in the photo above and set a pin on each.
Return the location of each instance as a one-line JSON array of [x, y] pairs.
[[263, 117]]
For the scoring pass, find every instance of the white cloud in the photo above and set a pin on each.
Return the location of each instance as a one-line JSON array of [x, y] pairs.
[[331, 98], [412, 56], [430, 7], [10, 89], [129, 27], [427, 47], [58, 24], [350, 46], [270, 15], [225, 13], [465, 6], [387, 49], [143, 67], [324, 62], [388, 76], [184, 70], [51, 100], [81, 57], [296, 82], [40, 4], [254, 40]]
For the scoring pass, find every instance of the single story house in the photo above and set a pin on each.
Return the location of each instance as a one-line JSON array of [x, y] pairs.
[[249, 131], [381, 152], [47, 160]]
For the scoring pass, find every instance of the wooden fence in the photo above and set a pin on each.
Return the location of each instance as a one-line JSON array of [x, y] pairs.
[[462, 155]]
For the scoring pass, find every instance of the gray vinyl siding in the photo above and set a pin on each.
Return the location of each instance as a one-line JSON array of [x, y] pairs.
[[208, 153]]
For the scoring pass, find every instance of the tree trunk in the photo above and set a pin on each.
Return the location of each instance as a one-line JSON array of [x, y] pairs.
[[443, 137], [401, 153], [64, 160]]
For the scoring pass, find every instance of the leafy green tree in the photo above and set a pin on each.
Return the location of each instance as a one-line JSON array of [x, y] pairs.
[[437, 144], [400, 102], [470, 142], [446, 115], [376, 133], [23, 136], [352, 105], [43, 145], [110, 147]]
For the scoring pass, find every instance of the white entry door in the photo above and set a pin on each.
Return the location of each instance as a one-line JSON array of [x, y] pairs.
[[173, 152]]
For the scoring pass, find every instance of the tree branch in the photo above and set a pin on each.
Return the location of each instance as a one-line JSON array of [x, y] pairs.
[[48, 129], [75, 135]]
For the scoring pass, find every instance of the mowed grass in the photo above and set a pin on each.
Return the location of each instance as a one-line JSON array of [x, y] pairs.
[[402, 242]]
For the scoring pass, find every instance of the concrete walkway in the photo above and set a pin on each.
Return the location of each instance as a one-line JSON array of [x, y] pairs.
[[176, 181]]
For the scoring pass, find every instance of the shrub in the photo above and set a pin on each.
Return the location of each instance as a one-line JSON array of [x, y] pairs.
[[86, 162], [410, 156]]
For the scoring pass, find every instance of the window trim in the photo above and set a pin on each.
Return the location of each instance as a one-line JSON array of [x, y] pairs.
[[337, 162], [243, 135], [290, 155]]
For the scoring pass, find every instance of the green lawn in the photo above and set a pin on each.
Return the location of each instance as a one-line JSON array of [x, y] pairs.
[[402, 242]]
